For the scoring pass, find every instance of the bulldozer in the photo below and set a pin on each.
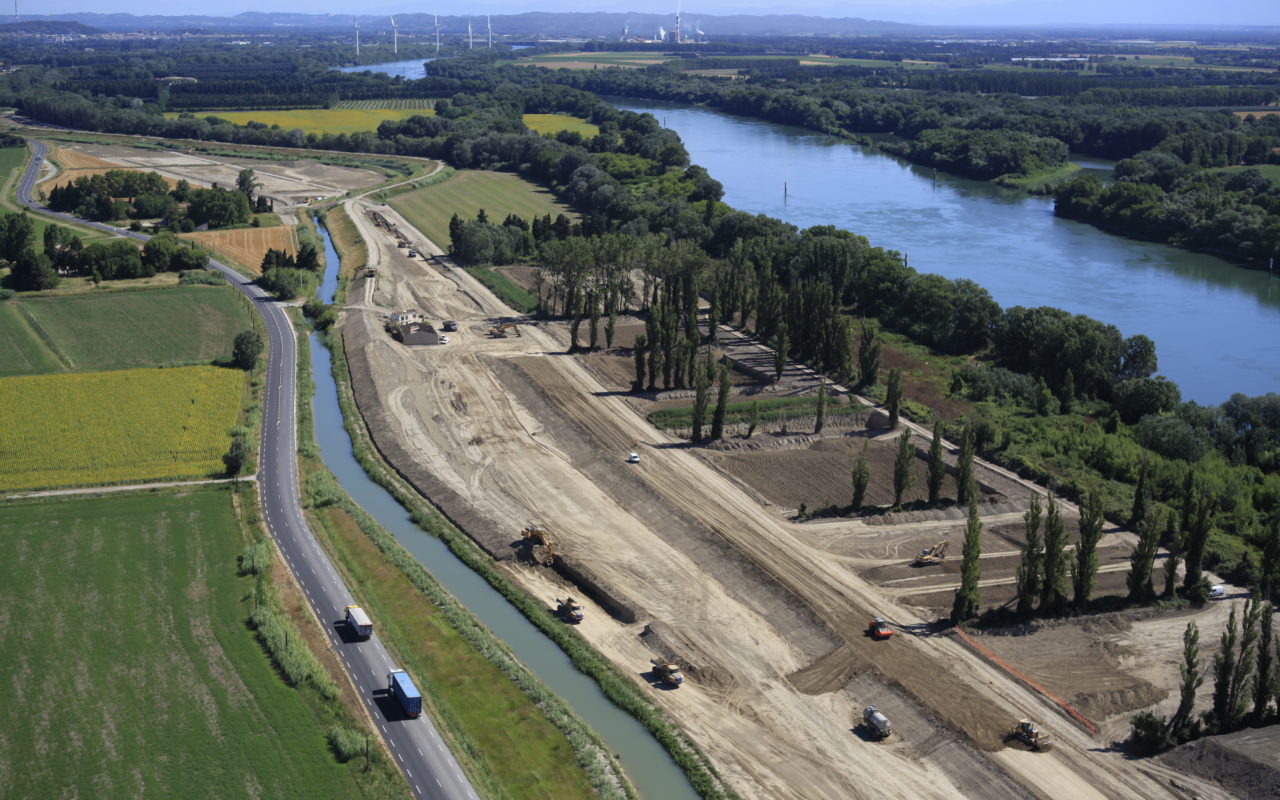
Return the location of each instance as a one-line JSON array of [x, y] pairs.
[[500, 331], [541, 546], [570, 610], [932, 555], [1030, 734], [666, 672]]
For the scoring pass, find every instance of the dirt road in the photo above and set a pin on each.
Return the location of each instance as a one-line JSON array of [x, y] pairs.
[[504, 432]]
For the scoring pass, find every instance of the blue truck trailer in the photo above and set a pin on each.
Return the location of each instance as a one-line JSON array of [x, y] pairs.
[[401, 687]]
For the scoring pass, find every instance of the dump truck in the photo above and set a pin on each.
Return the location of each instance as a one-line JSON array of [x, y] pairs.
[[932, 555], [1030, 734], [359, 622], [876, 723], [879, 629], [400, 686], [667, 672], [569, 609]]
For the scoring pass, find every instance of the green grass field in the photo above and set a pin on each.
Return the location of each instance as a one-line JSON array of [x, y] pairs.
[[630, 59], [1271, 171], [129, 671], [119, 330], [554, 123], [320, 120], [498, 193], [116, 427]]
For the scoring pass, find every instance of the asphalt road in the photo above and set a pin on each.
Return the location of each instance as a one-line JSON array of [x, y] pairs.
[[415, 744]]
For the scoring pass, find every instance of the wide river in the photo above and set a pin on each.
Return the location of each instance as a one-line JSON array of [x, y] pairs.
[[1216, 326]]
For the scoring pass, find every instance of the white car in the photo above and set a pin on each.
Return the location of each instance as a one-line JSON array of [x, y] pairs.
[[1217, 592], [633, 458], [444, 340]]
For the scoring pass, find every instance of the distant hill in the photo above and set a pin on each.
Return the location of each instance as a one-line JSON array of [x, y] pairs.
[[47, 27], [588, 25]]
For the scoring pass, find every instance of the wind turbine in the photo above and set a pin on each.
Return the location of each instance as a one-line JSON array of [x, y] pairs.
[[357, 40], [489, 26], [395, 38], [471, 45], [678, 4], [437, 19]]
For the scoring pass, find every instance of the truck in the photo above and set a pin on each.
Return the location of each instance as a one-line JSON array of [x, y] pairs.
[[666, 672], [400, 686], [877, 724], [359, 622]]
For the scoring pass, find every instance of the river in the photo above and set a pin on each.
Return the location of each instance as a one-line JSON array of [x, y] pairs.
[[650, 768], [1215, 325]]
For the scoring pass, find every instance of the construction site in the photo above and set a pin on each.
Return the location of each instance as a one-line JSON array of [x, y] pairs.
[[785, 631]]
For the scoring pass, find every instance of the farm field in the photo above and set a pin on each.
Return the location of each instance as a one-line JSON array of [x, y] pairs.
[[468, 191], [397, 103], [116, 427], [247, 246], [637, 60], [320, 120], [119, 330], [141, 678], [554, 123]]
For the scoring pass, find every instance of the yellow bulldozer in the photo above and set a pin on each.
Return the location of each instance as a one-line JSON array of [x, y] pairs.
[[932, 555], [1030, 734], [541, 546], [500, 331]]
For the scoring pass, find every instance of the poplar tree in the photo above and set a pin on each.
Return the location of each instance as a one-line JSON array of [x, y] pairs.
[[868, 354], [937, 467], [1174, 537], [1084, 569], [1265, 684], [1141, 493], [967, 599], [1178, 728], [1142, 559], [821, 420], [754, 419], [1031, 570], [903, 475], [1224, 668], [1198, 503], [966, 487], [893, 397], [780, 355], [639, 351], [1052, 593], [699, 409], [861, 477], [722, 405]]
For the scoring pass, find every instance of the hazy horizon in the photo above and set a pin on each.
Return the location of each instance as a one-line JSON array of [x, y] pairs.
[[936, 12]]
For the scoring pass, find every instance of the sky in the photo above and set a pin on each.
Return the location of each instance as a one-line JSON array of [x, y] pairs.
[[948, 12]]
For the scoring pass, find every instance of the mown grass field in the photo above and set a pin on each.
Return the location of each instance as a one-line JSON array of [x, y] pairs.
[[554, 123], [129, 671], [468, 191], [247, 246], [116, 427], [119, 330], [320, 120]]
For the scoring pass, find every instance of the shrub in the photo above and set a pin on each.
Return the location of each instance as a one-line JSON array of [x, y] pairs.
[[204, 277], [346, 742], [256, 558]]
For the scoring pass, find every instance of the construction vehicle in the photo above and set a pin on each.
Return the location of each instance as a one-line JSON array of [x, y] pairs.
[[932, 555], [876, 723], [1030, 734], [359, 622], [666, 672], [879, 629], [371, 272], [541, 546], [569, 609], [500, 331], [400, 686]]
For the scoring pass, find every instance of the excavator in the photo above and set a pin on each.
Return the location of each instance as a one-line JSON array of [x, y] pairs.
[[500, 331], [932, 555], [1030, 734], [570, 610], [541, 546]]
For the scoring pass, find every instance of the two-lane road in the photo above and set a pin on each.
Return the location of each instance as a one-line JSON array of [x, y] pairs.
[[415, 745]]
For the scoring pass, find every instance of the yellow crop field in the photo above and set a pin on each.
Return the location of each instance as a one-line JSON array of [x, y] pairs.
[[125, 426], [247, 246], [76, 159], [553, 123], [320, 120]]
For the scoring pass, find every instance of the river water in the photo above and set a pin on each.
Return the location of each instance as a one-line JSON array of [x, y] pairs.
[[652, 771], [412, 69], [1215, 324]]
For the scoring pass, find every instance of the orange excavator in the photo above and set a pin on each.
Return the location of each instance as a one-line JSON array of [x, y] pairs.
[[541, 545]]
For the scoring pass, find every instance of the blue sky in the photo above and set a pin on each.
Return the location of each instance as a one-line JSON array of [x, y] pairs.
[[974, 12]]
